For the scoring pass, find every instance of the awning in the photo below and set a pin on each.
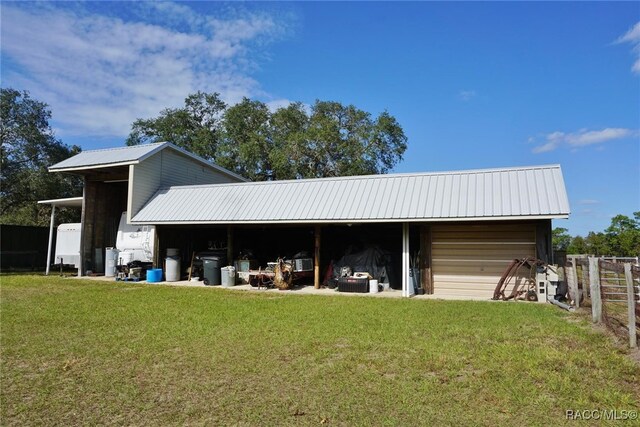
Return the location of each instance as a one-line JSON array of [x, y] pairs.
[[69, 202]]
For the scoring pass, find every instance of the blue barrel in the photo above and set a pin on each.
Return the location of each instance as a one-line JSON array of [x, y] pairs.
[[154, 275]]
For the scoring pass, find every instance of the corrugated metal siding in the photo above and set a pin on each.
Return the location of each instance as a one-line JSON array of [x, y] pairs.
[[168, 168], [182, 170], [468, 260], [517, 192], [146, 181], [107, 156]]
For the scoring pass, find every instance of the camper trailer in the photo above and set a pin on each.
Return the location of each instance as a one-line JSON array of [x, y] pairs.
[[134, 242], [68, 244]]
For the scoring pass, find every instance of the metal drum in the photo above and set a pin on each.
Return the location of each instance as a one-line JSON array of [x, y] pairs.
[[111, 261], [228, 276]]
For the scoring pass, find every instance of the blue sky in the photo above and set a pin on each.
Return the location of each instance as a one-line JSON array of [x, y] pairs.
[[474, 85]]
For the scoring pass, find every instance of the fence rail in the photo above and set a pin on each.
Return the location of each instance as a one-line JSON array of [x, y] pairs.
[[612, 288]]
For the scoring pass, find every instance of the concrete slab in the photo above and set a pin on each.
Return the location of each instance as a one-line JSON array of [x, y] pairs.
[[302, 290]]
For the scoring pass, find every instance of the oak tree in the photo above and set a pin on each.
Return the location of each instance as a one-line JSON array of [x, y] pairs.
[[28, 146]]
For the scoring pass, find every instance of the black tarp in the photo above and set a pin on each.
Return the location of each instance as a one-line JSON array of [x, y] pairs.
[[373, 260]]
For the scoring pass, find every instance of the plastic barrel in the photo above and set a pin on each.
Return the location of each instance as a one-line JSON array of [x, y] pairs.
[[154, 275], [172, 264], [111, 261], [211, 267]]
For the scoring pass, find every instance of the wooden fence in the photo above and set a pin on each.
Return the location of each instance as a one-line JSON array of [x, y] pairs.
[[23, 248], [612, 289]]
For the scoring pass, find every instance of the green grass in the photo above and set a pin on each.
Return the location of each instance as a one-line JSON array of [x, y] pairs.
[[81, 352]]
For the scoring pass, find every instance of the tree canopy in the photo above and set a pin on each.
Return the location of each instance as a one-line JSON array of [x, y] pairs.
[[621, 238], [196, 127], [326, 139], [561, 238], [27, 147]]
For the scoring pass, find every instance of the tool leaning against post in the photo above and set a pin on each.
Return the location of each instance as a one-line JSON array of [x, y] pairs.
[[529, 286]]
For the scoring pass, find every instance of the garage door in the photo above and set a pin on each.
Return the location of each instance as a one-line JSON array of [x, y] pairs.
[[468, 260]]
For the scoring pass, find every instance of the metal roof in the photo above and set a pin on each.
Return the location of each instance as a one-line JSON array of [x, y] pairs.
[[122, 156], [108, 157], [492, 194]]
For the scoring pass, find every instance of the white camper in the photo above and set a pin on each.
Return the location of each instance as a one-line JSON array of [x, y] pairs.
[[135, 242], [68, 244]]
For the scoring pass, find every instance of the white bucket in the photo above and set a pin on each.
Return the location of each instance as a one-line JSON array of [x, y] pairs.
[[373, 286], [173, 251], [111, 260], [172, 270]]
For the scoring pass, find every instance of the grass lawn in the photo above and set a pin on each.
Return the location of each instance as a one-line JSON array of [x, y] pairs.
[[84, 352]]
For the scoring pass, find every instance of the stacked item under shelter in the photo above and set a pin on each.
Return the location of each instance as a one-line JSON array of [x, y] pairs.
[[353, 271]]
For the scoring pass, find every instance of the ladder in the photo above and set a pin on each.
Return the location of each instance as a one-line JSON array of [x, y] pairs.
[[146, 242]]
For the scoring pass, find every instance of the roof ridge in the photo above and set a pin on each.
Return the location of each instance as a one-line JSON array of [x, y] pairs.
[[126, 147], [374, 176]]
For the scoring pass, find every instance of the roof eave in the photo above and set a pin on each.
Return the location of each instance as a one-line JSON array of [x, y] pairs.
[[355, 221], [69, 202], [88, 167]]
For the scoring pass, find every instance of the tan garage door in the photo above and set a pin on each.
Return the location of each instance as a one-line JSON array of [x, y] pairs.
[[468, 260]]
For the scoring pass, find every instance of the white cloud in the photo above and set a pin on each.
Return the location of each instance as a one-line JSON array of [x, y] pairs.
[[633, 37], [581, 138], [466, 95], [585, 137], [553, 141], [549, 146], [99, 73], [278, 103]]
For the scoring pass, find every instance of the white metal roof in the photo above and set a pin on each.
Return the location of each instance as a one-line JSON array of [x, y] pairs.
[[123, 156], [492, 194], [108, 157]]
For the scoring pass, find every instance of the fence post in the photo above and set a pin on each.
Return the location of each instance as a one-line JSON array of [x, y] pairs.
[[631, 305], [594, 282], [572, 280]]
